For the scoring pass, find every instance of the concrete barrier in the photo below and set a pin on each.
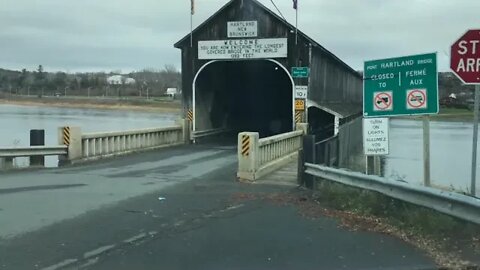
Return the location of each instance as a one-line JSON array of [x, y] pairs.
[[99, 145], [259, 157], [75, 146]]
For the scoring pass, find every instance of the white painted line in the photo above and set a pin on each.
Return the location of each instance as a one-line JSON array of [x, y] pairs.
[[97, 251], [230, 208], [90, 262], [135, 238], [61, 264]]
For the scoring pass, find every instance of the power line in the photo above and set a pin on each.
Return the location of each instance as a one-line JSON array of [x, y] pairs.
[[278, 10]]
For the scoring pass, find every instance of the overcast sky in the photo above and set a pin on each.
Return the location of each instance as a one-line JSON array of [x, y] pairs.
[[96, 35]]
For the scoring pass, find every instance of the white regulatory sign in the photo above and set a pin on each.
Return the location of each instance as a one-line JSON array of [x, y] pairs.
[[376, 136], [242, 29], [301, 92], [243, 49]]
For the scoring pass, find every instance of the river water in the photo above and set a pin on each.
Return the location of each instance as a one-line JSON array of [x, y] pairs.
[[451, 154], [451, 142], [16, 122]]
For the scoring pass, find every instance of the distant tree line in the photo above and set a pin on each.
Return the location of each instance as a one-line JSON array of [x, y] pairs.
[[42, 83], [448, 84]]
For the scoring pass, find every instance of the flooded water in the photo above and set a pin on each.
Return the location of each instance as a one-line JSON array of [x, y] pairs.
[[451, 154], [17, 121]]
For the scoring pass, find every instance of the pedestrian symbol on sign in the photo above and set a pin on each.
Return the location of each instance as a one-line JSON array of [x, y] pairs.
[[383, 101]]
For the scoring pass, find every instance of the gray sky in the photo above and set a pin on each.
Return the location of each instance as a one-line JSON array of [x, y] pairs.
[[95, 35]]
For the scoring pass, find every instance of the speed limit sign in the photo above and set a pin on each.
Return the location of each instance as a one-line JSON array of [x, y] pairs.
[[299, 105], [301, 92]]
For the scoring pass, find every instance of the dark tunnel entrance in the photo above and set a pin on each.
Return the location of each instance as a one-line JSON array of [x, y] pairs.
[[321, 123], [254, 96]]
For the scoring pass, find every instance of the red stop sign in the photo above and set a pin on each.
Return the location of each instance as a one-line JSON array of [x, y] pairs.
[[465, 57]]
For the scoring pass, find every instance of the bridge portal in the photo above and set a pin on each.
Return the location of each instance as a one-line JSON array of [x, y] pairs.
[[248, 95]]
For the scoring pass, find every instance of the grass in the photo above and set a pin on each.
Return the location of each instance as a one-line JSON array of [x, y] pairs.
[[413, 219], [449, 114]]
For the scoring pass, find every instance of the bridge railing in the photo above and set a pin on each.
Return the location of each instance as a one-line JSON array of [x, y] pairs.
[[97, 145], [8, 154], [450, 203], [74, 146], [259, 157]]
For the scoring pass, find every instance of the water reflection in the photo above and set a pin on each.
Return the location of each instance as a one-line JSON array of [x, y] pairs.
[[16, 121], [451, 148]]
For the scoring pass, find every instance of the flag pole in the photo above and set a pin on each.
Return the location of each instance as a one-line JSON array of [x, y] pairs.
[[296, 25], [192, 10]]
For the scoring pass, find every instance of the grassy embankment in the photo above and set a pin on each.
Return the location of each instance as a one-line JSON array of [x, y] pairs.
[[132, 104], [451, 242], [450, 114]]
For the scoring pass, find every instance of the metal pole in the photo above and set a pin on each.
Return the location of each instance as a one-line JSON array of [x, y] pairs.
[[426, 151], [475, 140], [296, 26], [310, 54], [191, 26]]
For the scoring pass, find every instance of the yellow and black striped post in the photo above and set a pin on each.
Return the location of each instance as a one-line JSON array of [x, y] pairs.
[[245, 145], [66, 136], [71, 137], [298, 117], [247, 155], [190, 115]]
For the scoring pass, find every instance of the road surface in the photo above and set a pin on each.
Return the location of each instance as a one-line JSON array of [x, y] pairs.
[[177, 208]]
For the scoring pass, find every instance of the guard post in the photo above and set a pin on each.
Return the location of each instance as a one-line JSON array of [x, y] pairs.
[[247, 155], [72, 138]]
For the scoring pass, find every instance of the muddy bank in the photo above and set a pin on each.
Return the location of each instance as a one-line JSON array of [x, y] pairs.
[[142, 105]]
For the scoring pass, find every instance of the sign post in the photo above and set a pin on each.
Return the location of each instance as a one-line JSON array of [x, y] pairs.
[[375, 142], [473, 186], [403, 86], [426, 151], [465, 63]]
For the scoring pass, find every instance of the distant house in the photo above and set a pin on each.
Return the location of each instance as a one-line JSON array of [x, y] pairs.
[[119, 79], [172, 92]]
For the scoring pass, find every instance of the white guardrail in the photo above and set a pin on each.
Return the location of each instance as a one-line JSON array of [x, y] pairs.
[[8, 154], [13, 152], [450, 203], [259, 157], [96, 145]]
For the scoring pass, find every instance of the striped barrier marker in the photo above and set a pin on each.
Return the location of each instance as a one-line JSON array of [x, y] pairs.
[[66, 136], [246, 145]]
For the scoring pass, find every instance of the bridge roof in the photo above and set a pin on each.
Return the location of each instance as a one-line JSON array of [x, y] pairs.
[[185, 40]]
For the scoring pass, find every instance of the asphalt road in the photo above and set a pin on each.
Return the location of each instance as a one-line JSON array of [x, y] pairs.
[[179, 208]]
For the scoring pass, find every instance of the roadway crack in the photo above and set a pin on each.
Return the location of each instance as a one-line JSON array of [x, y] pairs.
[[177, 226]]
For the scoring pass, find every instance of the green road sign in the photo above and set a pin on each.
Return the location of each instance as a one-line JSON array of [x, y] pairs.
[[300, 72], [401, 86]]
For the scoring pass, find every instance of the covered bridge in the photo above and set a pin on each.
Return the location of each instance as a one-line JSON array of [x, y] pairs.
[[237, 74]]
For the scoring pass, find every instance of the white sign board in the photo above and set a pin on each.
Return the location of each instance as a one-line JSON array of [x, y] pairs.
[[243, 49], [242, 29], [375, 136], [301, 92]]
